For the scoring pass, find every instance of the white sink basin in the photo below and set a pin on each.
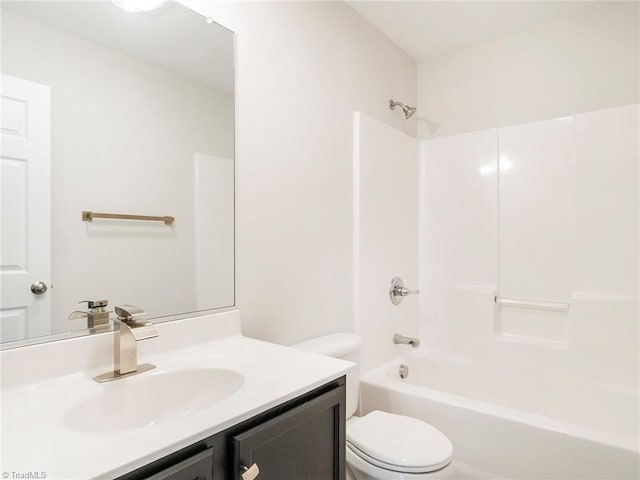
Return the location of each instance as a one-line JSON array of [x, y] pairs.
[[153, 397]]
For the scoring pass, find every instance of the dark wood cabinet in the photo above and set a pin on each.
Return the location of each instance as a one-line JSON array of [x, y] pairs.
[[302, 439], [196, 467], [301, 443]]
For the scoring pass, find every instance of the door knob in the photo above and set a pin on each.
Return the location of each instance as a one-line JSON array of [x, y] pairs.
[[250, 473], [38, 288]]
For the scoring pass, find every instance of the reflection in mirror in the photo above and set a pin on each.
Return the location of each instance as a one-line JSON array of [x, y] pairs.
[[107, 111]]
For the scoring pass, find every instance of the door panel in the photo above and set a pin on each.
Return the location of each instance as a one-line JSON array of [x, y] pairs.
[[25, 208]]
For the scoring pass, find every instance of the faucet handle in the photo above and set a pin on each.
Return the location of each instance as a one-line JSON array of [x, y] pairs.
[[95, 303], [397, 291], [129, 313]]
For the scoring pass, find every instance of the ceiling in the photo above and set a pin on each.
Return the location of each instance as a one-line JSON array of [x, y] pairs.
[[173, 37], [423, 29], [426, 28]]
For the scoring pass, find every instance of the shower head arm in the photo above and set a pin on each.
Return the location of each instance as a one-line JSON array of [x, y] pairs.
[[406, 109]]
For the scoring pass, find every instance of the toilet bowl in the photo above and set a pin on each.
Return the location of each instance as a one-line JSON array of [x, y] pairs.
[[382, 445], [386, 446]]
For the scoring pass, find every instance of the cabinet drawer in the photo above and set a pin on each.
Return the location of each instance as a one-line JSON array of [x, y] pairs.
[[198, 467], [306, 442]]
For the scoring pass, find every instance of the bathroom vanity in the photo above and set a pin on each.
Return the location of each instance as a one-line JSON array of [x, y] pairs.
[[214, 403], [301, 438]]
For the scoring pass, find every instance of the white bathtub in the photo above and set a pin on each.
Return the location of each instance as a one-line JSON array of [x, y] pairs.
[[515, 425]]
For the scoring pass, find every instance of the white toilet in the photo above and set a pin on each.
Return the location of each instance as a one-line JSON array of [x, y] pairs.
[[381, 445]]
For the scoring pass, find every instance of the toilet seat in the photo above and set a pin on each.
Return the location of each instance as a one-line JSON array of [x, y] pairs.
[[399, 443], [360, 469]]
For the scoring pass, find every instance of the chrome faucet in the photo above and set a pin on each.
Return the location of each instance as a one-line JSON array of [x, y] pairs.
[[401, 339], [97, 316], [132, 329]]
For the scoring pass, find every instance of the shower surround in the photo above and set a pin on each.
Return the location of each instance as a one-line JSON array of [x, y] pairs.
[[545, 217], [543, 213]]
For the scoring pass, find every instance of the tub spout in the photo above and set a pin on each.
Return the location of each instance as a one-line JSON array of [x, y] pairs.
[[401, 339]]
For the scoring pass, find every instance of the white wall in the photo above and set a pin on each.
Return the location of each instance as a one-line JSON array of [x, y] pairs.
[[214, 232], [111, 116], [385, 237], [552, 69], [303, 68]]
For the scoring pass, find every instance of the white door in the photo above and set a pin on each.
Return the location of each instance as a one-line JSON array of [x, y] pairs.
[[25, 209]]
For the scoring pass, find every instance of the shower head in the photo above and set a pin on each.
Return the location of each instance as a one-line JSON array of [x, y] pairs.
[[408, 111]]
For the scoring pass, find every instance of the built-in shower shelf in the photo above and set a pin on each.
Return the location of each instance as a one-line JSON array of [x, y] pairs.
[[532, 304], [538, 342]]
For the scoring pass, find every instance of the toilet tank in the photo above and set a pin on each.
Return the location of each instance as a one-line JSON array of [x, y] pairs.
[[345, 346]]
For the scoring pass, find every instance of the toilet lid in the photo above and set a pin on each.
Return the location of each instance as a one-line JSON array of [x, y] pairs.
[[399, 443]]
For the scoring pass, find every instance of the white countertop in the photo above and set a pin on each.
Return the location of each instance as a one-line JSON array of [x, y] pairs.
[[36, 439]]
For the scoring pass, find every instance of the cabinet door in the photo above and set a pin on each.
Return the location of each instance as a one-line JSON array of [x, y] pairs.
[[198, 467], [305, 443]]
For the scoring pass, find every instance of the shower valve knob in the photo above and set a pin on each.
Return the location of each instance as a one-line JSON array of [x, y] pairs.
[[397, 291]]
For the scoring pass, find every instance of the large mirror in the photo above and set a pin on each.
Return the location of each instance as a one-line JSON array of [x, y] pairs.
[[117, 175]]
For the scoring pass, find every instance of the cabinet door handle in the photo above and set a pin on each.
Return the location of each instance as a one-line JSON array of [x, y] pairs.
[[250, 473]]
